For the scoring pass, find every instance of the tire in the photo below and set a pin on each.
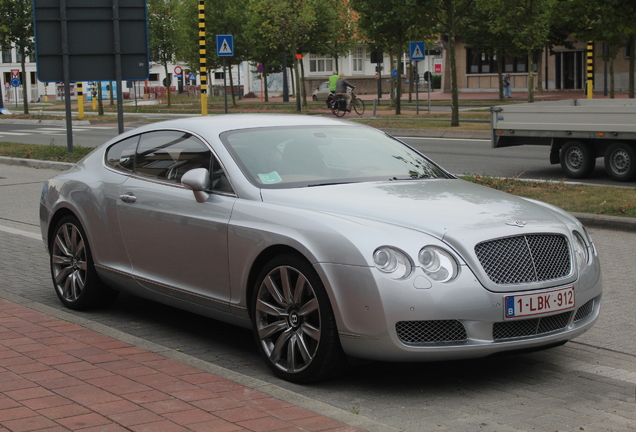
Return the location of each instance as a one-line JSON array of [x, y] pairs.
[[293, 322], [577, 160], [314, 98], [358, 106], [620, 162], [74, 277], [338, 107]]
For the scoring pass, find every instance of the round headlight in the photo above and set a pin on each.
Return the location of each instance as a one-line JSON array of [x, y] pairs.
[[581, 251], [392, 262], [438, 264]]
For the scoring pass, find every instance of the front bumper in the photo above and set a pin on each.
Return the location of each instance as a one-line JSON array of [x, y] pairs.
[[415, 320]]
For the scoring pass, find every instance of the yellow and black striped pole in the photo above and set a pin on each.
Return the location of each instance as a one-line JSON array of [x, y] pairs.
[[94, 94], [80, 101], [590, 70], [202, 59]]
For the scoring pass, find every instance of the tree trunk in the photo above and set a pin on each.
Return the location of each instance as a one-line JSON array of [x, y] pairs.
[[100, 103], [168, 82], [530, 76], [229, 68], [611, 70], [500, 73], [632, 55], [539, 72], [299, 107], [25, 99], [303, 90]]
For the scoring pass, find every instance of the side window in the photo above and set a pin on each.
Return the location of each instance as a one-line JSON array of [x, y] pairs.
[[168, 155], [121, 155], [220, 183]]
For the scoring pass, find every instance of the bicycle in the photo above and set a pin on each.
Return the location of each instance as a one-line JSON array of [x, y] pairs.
[[338, 104]]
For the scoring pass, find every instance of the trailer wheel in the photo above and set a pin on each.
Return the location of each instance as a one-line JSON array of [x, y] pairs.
[[620, 162], [577, 160]]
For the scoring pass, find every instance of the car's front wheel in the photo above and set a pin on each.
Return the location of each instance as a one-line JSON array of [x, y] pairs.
[[293, 322], [74, 277]]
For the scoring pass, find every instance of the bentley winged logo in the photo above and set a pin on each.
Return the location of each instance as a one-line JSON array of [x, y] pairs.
[[519, 224]]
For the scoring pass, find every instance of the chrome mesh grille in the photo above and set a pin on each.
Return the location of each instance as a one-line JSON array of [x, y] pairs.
[[426, 332], [584, 310], [530, 327], [525, 259]]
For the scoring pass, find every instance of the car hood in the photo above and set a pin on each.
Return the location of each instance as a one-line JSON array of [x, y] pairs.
[[453, 210]]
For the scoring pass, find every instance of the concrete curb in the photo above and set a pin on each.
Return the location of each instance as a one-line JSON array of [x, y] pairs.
[[32, 163], [46, 122], [437, 133]]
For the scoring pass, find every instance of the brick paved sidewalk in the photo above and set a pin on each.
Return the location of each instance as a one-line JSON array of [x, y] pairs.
[[59, 376]]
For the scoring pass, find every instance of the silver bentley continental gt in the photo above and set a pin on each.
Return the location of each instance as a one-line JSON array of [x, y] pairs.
[[330, 240]]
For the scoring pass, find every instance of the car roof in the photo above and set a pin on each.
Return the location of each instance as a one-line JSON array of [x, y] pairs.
[[222, 123]]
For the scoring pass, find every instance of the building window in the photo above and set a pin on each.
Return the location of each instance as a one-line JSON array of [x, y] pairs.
[[358, 57], [6, 56], [18, 57], [320, 64], [481, 63]]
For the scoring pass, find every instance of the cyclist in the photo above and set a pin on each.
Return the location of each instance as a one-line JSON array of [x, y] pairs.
[[333, 79], [341, 87]]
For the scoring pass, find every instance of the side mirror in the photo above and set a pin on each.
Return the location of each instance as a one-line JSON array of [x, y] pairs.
[[198, 181]]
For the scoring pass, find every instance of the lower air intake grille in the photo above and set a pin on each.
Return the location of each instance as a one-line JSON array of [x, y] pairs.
[[525, 259], [584, 310], [427, 332], [530, 327]]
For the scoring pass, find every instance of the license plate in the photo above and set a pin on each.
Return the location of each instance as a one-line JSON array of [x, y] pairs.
[[539, 303]]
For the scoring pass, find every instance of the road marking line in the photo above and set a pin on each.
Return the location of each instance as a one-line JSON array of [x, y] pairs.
[[442, 138], [14, 133], [20, 232]]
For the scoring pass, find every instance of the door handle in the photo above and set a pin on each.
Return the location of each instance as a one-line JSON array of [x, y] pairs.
[[128, 198]]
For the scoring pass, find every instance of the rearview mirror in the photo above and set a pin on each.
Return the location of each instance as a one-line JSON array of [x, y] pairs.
[[198, 181]]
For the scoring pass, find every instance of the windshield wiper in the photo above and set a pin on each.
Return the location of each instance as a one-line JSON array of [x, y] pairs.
[[330, 183]]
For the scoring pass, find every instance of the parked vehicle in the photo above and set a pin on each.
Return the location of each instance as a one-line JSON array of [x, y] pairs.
[[328, 239], [578, 132], [322, 92]]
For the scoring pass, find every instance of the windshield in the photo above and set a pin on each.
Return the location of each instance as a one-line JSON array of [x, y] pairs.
[[284, 157]]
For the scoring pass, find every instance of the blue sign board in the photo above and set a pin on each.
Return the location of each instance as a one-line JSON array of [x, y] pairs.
[[224, 45], [15, 82], [417, 51], [394, 73]]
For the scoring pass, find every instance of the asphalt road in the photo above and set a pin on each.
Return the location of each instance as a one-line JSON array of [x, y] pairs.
[[587, 385], [459, 156], [462, 156]]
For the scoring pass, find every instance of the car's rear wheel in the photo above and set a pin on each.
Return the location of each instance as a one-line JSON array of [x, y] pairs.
[[74, 277], [293, 322], [314, 98]]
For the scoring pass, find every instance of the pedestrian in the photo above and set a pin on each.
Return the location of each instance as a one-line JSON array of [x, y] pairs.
[[341, 87], [506, 86]]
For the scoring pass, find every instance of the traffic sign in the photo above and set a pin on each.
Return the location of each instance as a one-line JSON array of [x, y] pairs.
[[224, 45], [178, 70], [394, 73], [15, 73], [417, 51], [15, 82]]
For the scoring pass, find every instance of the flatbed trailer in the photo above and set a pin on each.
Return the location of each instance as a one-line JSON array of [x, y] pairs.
[[578, 132]]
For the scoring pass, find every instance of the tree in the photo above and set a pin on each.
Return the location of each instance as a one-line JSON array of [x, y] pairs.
[[162, 35], [285, 26], [449, 16], [528, 22], [17, 23], [390, 24]]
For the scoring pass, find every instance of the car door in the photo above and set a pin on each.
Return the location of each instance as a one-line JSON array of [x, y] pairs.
[[177, 247]]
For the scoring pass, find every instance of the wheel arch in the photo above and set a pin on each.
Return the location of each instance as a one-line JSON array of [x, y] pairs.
[[259, 263], [55, 219]]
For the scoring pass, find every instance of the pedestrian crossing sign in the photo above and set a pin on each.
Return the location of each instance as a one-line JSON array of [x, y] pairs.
[[417, 50], [224, 45]]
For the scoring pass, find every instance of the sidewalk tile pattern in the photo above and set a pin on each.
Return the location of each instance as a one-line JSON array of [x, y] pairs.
[[58, 376]]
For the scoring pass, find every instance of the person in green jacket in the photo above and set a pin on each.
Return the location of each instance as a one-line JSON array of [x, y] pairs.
[[333, 79]]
